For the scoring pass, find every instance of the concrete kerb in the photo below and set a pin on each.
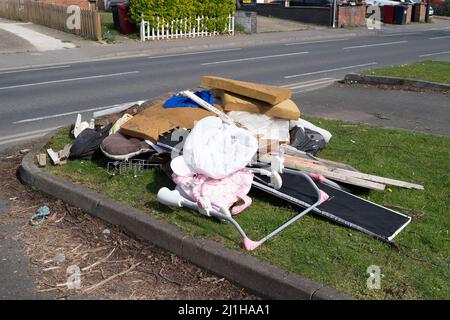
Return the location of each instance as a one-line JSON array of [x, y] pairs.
[[258, 276], [396, 81]]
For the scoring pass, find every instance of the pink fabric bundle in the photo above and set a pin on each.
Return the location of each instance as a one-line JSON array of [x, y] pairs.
[[221, 193]]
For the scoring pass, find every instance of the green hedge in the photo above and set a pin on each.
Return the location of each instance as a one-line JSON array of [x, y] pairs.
[[175, 9]]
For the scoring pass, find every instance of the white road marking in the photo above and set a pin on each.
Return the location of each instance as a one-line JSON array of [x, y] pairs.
[[436, 38], [68, 80], [26, 135], [433, 54], [330, 70], [294, 93], [313, 42], [256, 58], [36, 69], [193, 53], [72, 112], [305, 84], [302, 82], [433, 29], [375, 45], [400, 34]]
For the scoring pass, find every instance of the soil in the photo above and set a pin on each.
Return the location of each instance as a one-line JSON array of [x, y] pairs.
[[112, 264]]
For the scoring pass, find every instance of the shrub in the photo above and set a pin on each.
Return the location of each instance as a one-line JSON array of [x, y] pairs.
[[176, 9]]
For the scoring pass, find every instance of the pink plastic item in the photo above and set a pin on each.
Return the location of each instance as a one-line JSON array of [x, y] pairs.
[[222, 193]]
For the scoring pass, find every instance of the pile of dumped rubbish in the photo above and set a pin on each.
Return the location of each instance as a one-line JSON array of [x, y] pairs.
[[228, 137]]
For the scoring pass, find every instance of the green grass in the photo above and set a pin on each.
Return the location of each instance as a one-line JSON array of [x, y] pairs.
[[315, 247], [435, 71]]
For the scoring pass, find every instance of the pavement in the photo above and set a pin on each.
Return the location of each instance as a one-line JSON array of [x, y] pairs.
[[272, 24], [10, 43], [17, 283]]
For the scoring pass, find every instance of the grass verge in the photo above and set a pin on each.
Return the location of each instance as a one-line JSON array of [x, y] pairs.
[[428, 70], [314, 247]]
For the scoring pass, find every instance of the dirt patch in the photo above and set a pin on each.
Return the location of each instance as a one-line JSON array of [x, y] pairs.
[[112, 265]]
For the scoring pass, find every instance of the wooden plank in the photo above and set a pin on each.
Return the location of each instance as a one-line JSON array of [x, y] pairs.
[[42, 159], [53, 156], [350, 171], [270, 94], [374, 178], [65, 152], [293, 163], [286, 109]]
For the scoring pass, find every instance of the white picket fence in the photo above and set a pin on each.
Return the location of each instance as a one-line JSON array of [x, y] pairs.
[[181, 28]]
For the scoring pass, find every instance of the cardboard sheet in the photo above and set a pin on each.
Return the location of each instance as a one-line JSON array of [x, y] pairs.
[[266, 93], [156, 120]]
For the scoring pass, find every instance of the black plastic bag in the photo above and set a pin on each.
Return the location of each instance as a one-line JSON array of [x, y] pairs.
[[307, 140], [87, 144]]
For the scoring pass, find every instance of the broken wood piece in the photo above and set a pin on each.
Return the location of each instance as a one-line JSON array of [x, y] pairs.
[[65, 152], [326, 165], [297, 164], [286, 109], [96, 286], [289, 150], [42, 159], [262, 92], [53, 156], [99, 261]]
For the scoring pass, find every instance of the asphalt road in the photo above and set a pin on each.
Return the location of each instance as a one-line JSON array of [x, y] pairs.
[[33, 101]]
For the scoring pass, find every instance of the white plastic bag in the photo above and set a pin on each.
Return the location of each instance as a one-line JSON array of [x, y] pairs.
[[215, 149]]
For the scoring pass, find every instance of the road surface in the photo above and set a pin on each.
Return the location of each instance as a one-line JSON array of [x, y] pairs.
[[36, 100]]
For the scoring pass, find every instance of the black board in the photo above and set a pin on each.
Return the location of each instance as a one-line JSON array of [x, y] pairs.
[[343, 207]]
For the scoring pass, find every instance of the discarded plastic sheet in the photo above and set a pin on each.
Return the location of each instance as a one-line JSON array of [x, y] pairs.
[[178, 101], [87, 145], [307, 140], [217, 149], [263, 126], [39, 217], [308, 125]]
